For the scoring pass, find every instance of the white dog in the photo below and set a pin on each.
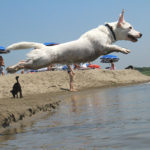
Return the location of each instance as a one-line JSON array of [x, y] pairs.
[[88, 47]]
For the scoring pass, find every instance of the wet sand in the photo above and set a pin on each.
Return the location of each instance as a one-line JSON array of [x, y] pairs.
[[41, 90]]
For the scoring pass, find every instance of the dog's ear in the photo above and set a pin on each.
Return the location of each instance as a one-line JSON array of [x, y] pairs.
[[121, 18]]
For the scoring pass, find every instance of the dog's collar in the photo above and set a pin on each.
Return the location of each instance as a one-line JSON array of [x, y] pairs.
[[111, 29]]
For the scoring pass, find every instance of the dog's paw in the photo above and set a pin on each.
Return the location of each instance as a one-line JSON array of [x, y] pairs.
[[126, 51]]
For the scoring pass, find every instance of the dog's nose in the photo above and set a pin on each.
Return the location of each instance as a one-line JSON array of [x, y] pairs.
[[140, 34]]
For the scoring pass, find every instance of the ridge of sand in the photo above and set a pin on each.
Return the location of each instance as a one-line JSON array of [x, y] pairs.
[[58, 81]]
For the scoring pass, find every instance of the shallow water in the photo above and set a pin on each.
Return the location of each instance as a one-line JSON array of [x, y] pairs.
[[102, 119]]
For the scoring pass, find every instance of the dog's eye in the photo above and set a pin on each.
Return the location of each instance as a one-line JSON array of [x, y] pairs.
[[130, 28]]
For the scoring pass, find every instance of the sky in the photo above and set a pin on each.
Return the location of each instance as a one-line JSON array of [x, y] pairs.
[[66, 20]]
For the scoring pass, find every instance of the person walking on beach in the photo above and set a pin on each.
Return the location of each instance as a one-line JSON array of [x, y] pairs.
[[1, 65]]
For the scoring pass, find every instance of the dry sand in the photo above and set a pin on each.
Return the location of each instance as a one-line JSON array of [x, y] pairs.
[[40, 90]]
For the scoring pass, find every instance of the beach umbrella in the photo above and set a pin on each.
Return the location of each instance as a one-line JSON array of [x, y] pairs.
[[50, 43], [109, 58], [3, 50]]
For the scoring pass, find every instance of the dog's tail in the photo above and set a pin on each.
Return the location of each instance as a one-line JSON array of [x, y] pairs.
[[25, 45]]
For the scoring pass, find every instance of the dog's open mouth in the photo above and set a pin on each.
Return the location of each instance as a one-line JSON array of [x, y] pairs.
[[132, 38]]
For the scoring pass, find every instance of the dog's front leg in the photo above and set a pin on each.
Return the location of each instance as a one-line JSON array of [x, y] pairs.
[[116, 48]]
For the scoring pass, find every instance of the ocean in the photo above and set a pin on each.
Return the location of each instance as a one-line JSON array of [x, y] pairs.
[[115, 118]]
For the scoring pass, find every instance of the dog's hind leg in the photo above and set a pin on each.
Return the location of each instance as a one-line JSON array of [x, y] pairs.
[[18, 66], [15, 68], [21, 96], [116, 48]]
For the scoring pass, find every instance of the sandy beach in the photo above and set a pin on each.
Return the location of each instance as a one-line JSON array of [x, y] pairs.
[[40, 90]]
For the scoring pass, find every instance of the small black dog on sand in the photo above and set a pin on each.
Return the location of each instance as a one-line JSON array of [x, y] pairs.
[[16, 89]]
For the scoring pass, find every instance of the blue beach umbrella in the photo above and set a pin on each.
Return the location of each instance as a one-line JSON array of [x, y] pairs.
[[109, 58], [50, 43], [2, 48]]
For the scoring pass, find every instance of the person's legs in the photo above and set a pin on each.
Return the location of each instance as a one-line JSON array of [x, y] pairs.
[[1, 70], [3, 73], [71, 81]]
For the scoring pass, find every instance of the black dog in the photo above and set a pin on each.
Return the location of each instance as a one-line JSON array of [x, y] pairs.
[[16, 89]]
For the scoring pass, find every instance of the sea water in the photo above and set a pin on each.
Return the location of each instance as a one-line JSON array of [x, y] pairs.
[[101, 119]]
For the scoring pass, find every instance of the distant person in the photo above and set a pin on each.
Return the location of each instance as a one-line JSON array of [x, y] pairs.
[[50, 67], [22, 72], [85, 66], [2, 65], [76, 67]]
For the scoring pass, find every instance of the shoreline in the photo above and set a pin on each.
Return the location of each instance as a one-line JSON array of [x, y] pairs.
[[42, 91]]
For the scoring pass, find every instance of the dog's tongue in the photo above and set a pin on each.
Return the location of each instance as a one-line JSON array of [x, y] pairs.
[[132, 38]]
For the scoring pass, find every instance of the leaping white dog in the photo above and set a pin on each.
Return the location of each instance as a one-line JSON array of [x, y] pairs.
[[88, 47]]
